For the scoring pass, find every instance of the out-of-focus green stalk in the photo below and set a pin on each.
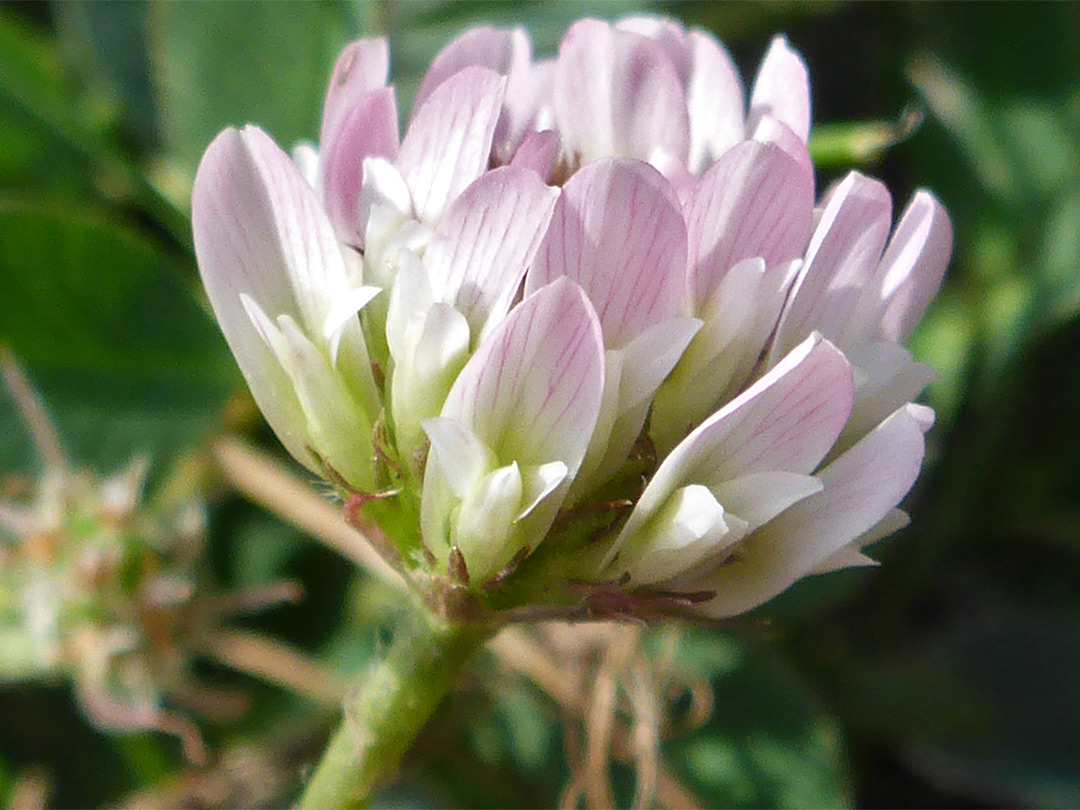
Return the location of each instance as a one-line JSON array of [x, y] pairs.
[[391, 706]]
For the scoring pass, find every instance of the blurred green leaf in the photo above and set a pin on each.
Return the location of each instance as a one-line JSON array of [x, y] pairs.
[[106, 44], [228, 64], [126, 359], [769, 742]]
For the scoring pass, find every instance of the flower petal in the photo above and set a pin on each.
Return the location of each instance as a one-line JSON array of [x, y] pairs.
[[531, 392], [619, 233], [861, 488], [714, 92], [842, 256], [260, 231], [782, 89], [485, 241], [448, 144], [617, 95], [496, 49], [368, 129], [914, 264], [786, 421], [755, 201], [362, 67]]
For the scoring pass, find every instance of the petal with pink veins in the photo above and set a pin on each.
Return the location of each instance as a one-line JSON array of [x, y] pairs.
[[368, 129], [532, 390], [786, 421], [260, 232], [861, 488], [618, 232], [485, 241], [755, 201], [842, 257], [448, 144]]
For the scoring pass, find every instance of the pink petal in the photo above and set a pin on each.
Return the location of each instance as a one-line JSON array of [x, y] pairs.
[[710, 81], [448, 144], [843, 254], [532, 391], [502, 51], [617, 95], [619, 233], [368, 129], [756, 201], [861, 489], [486, 240], [782, 89], [785, 422], [260, 231], [914, 264], [538, 152], [361, 68]]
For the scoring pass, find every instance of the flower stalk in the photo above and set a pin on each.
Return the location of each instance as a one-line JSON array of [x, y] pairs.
[[393, 704]]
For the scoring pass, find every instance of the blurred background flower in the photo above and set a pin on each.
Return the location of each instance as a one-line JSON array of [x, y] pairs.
[[944, 677]]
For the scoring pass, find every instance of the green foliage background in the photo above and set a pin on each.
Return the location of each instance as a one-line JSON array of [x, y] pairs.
[[946, 677]]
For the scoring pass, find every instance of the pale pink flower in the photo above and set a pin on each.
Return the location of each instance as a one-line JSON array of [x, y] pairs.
[[664, 383]]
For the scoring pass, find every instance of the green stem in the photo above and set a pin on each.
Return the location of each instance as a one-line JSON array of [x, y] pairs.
[[393, 704]]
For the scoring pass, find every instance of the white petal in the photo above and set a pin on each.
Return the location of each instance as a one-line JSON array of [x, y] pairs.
[[690, 527], [851, 556], [458, 452], [886, 377], [539, 481], [759, 497], [485, 521]]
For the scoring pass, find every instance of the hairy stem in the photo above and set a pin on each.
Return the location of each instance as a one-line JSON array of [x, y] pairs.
[[391, 706]]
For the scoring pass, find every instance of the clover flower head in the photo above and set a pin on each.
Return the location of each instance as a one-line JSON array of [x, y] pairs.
[[580, 341]]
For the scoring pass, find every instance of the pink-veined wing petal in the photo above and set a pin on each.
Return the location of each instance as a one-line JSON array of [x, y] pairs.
[[860, 489], [842, 256], [448, 144], [755, 201], [616, 94], [367, 129], [782, 89], [532, 390], [785, 421], [486, 240], [619, 233]]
